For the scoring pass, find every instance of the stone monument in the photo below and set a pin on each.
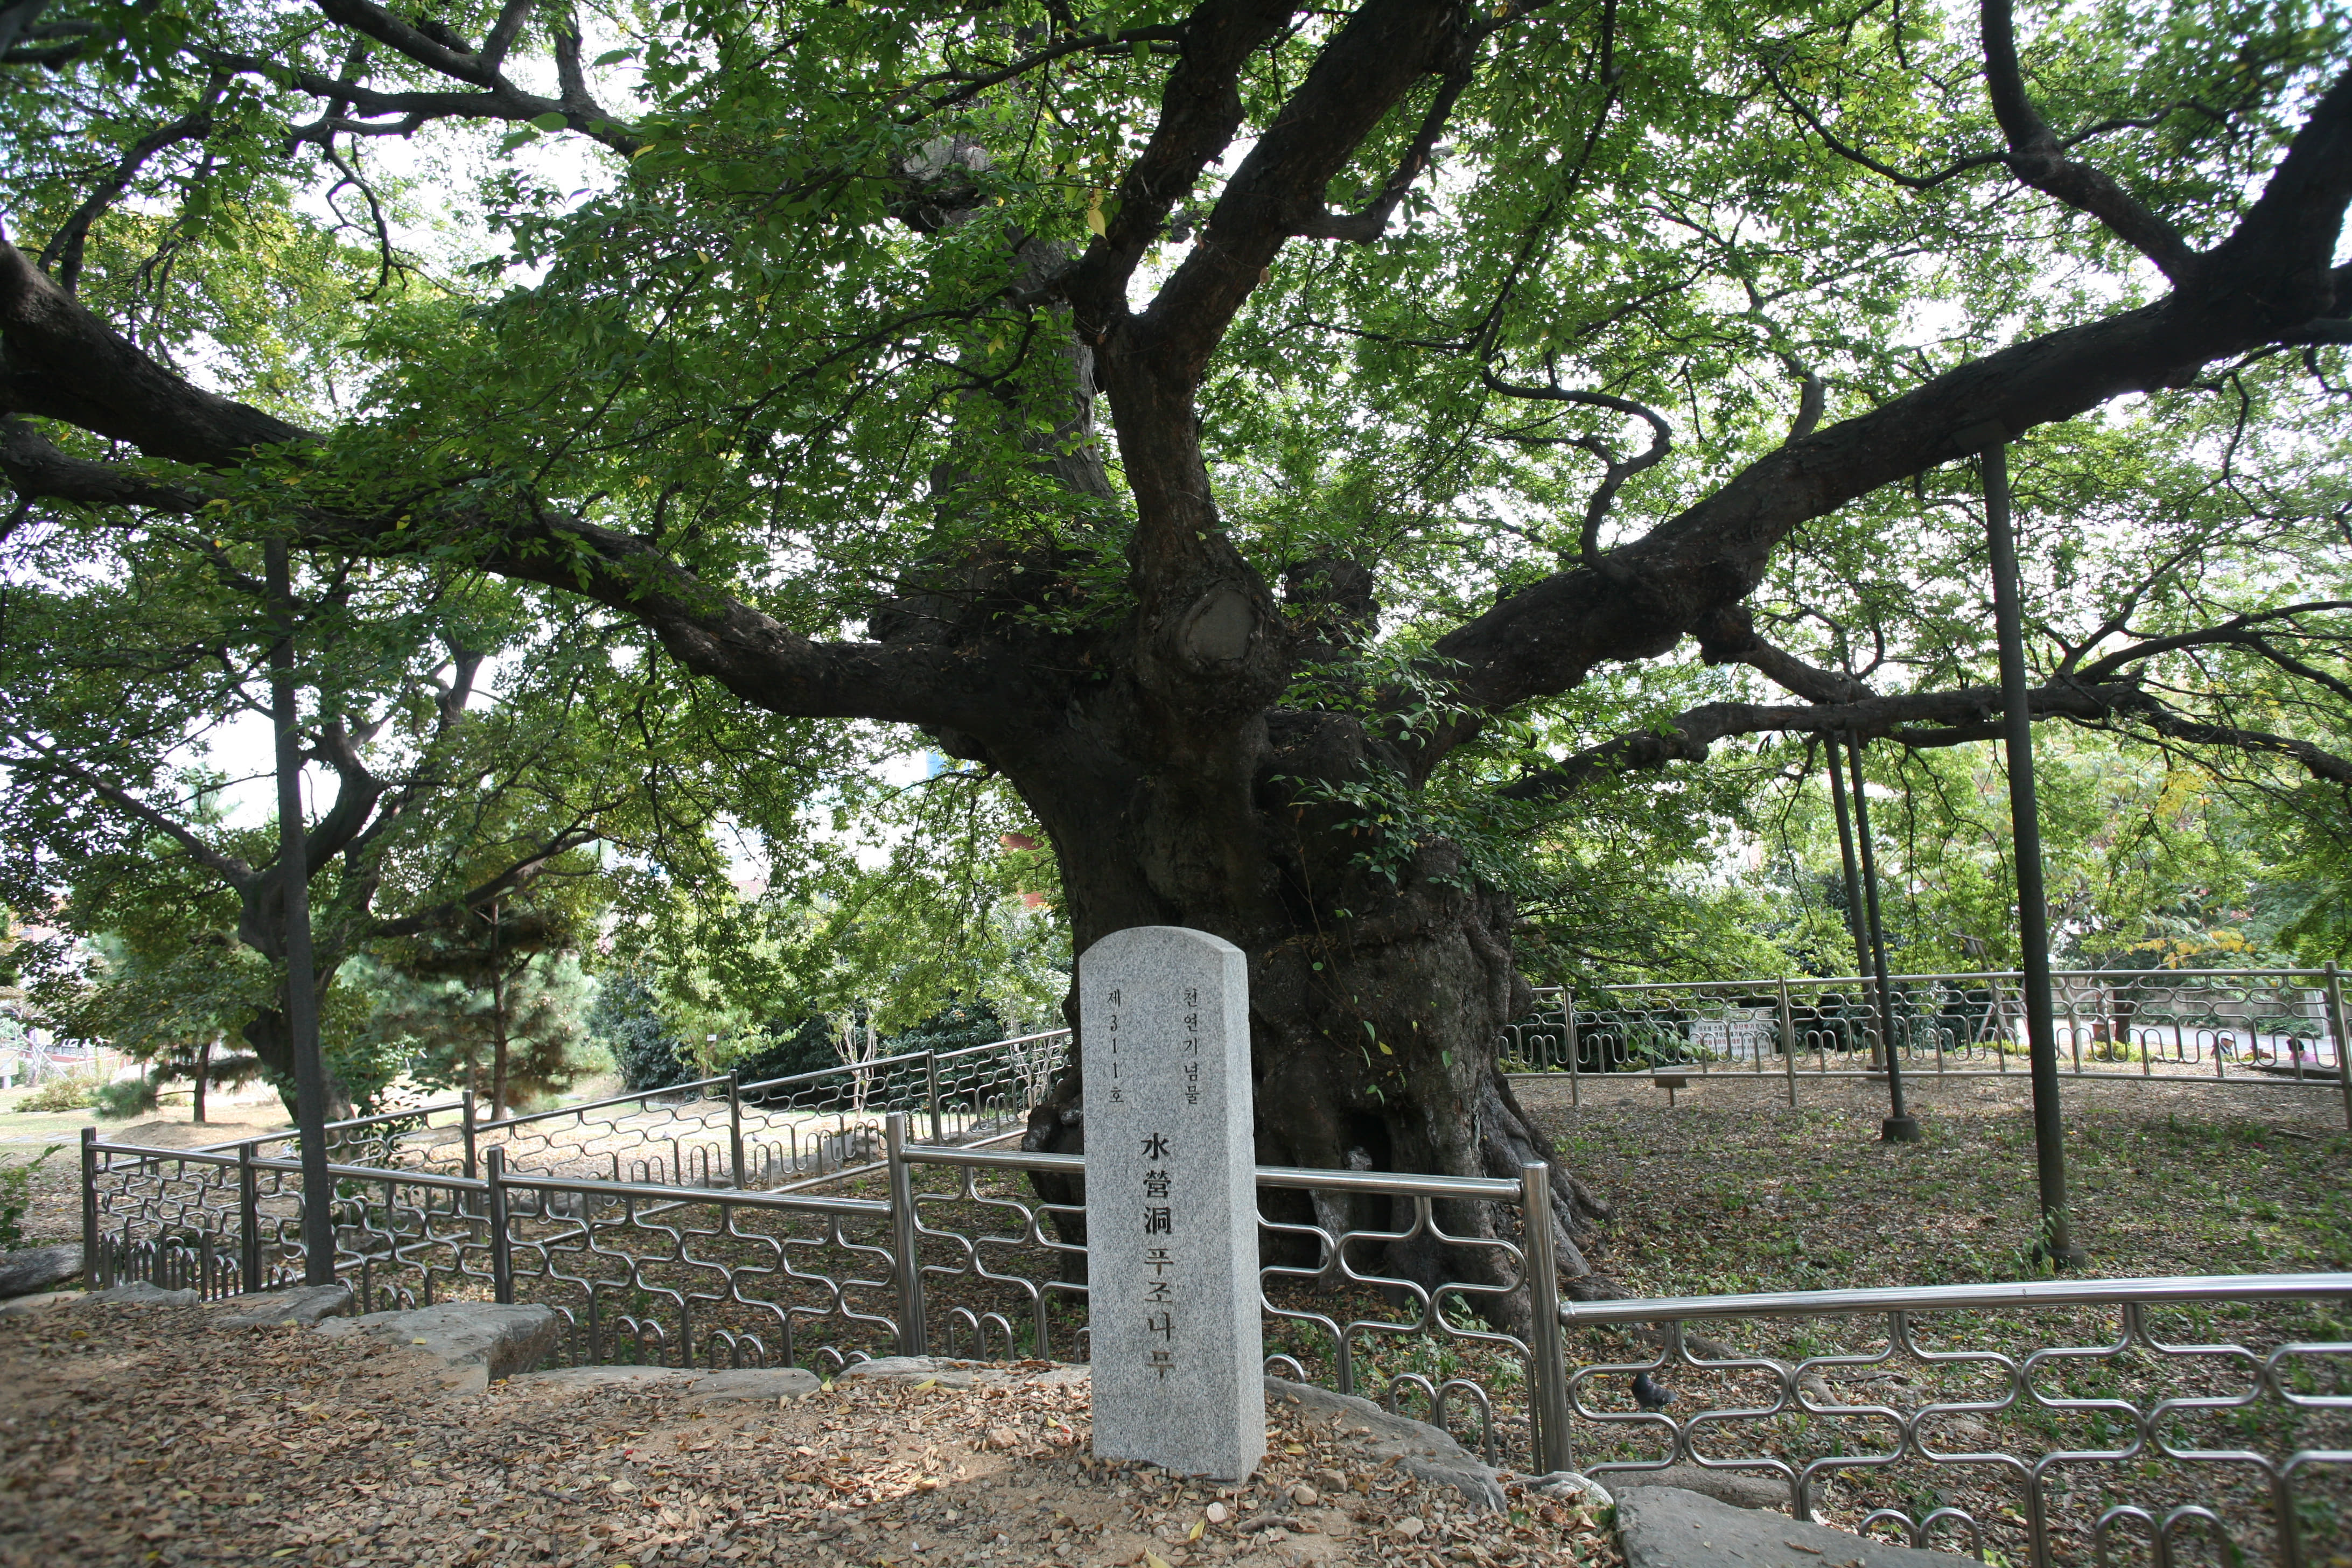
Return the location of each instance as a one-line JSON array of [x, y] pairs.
[[1171, 1203]]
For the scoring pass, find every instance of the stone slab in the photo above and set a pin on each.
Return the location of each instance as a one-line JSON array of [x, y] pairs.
[[26, 1305], [294, 1304], [1413, 1447], [477, 1342], [1171, 1203], [1666, 1526], [139, 1293], [1740, 1488], [947, 1374], [39, 1268], [609, 1377], [1571, 1486], [753, 1384]]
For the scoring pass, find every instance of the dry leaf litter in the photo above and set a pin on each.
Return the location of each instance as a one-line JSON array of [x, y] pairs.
[[145, 1435]]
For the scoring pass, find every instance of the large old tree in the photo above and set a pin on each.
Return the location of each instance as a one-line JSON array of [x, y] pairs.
[[1251, 430]]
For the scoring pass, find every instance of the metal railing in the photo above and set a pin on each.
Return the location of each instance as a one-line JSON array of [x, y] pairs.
[[1873, 1408], [2089, 1434], [952, 1253], [2273, 1027], [716, 1131]]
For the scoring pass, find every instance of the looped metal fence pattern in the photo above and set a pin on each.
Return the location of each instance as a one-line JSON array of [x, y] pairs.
[[2047, 1422], [2276, 1027], [2051, 1401]]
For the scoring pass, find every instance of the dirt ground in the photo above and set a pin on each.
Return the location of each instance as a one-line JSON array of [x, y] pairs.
[[143, 1436], [54, 1214], [135, 1435], [1731, 1189]]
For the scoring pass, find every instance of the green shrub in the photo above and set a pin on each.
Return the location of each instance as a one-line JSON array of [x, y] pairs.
[[16, 1196], [626, 1023], [66, 1092], [125, 1096]]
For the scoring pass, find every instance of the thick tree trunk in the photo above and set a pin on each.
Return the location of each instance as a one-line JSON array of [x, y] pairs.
[[203, 1066], [1176, 792], [1377, 1007], [273, 1045]]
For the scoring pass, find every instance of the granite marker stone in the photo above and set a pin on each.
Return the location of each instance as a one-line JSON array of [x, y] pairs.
[[1171, 1203]]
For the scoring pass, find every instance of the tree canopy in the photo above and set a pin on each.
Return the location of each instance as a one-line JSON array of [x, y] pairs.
[[1321, 459]]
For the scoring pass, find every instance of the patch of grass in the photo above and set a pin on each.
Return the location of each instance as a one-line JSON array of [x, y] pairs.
[[1728, 1191], [1728, 1185]]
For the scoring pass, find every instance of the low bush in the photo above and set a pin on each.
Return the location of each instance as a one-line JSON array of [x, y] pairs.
[[65, 1091], [125, 1096], [16, 1196]]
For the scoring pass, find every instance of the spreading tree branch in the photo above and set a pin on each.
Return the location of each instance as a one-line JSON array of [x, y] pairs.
[[2036, 157], [1919, 720]]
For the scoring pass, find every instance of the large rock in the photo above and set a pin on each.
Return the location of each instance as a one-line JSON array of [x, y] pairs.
[[477, 1342], [1734, 1486], [611, 1377], [304, 1304], [39, 1268], [763, 1385], [1571, 1486], [26, 1305], [747, 1385], [1666, 1526], [139, 1293], [912, 1368], [1413, 1447]]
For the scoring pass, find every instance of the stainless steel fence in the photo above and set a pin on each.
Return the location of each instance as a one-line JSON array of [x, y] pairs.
[[935, 1246], [2272, 1027], [716, 1131], [2055, 1422], [2047, 1421]]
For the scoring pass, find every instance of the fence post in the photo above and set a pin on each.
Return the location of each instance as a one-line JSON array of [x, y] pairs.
[[2335, 1027], [914, 1333], [931, 1091], [1788, 1037], [91, 1271], [473, 1172], [735, 1128], [501, 1252], [1548, 1366], [248, 1217], [1567, 1022]]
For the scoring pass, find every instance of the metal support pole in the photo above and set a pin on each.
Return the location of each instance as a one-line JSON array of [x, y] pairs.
[[248, 1216], [501, 1246], [1567, 1020], [735, 1128], [1845, 858], [931, 1093], [2336, 1028], [294, 878], [1900, 1126], [1546, 1363], [1788, 1038], [92, 1274], [914, 1333], [2057, 1241]]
